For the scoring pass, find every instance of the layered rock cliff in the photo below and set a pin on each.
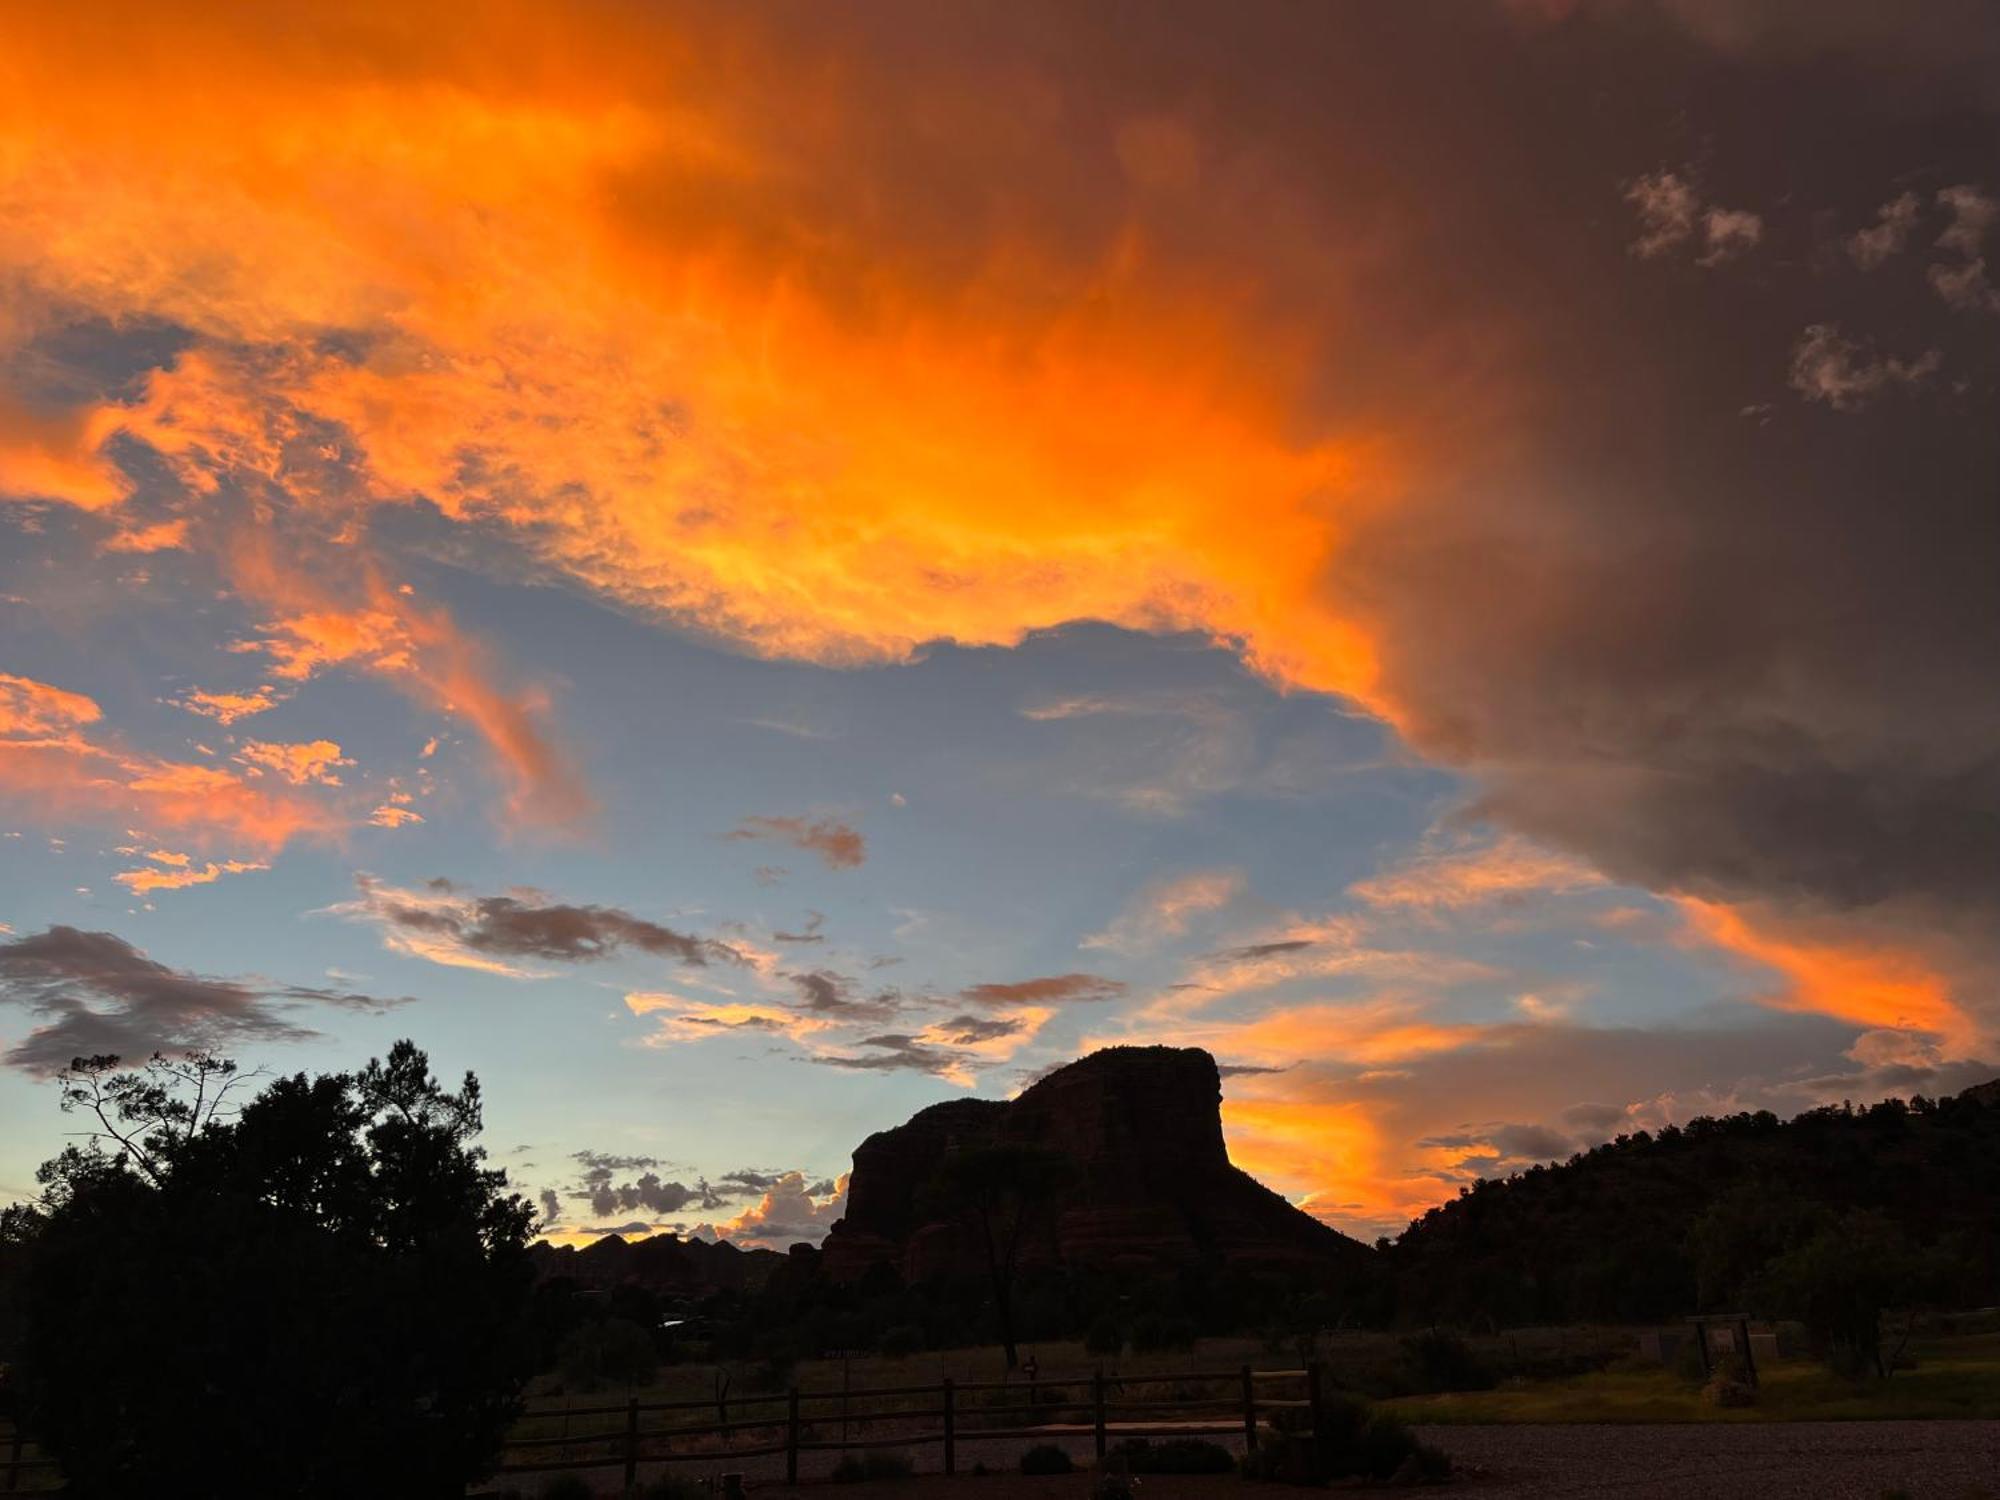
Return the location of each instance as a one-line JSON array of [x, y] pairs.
[[1153, 1185]]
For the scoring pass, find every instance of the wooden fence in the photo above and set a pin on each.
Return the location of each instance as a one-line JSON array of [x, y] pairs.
[[945, 1414], [798, 1421]]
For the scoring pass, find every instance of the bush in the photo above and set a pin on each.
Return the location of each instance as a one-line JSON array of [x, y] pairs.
[[1174, 1456], [1112, 1487], [1440, 1360], [1046, 1458], [902, 1340], [1350, 1442], [1104, 1336], [567, 1487], [876, 1463]]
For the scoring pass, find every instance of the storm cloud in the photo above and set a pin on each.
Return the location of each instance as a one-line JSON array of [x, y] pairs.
[[93, 993]]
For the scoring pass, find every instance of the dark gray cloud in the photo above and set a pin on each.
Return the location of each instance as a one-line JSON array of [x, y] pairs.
[[838, 845], [1747, 659], [969, 1031], [1054, 989], [1250, 951], [529, 926], [809, 933], [94, 993], [825, 993], [897, 1052]]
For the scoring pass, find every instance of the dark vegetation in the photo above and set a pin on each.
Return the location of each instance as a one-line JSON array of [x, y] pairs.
[[319, 1294], [1349, 1442], [1046, 1458], [1817, 1218]]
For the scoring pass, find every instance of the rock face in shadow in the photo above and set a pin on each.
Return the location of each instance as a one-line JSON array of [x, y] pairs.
[[1154, 1185]]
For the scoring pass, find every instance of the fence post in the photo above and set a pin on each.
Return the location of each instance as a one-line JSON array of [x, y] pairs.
[[1316, 1403], [1097, 1402], [950, 1428], [1249, 1413], [792, 1437], [631, 1444]]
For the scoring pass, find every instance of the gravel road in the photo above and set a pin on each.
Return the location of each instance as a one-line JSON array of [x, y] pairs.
[[1687, 1461]]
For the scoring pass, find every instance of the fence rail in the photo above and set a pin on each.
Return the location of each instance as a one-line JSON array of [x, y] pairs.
[[796, 1430]]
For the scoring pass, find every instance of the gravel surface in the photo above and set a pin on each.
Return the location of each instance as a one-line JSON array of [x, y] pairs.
[[1686, 1461]]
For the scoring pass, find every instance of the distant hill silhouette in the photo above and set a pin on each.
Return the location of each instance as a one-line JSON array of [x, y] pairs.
[[1604, 1236], [1153, 1186], [664, 1264]]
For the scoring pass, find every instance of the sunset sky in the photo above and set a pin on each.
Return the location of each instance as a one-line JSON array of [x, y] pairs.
[[739, 570]]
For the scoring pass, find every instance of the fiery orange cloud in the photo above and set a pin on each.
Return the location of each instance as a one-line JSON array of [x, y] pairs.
[[55, 455], [1872, 986], [613, 308], [1331, 1156], [51, 764]]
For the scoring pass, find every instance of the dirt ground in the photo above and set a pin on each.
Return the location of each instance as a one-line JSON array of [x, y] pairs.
[[1764, 1461]]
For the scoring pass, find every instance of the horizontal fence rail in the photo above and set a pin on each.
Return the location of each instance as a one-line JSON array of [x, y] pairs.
[[1075, 1405]]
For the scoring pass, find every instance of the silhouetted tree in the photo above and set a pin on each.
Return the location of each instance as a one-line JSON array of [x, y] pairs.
[[1002, 1194], [321, 1295], [1840, 1281]]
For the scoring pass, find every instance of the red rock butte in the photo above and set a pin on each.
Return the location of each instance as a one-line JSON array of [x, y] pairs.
[[1154, 1187]]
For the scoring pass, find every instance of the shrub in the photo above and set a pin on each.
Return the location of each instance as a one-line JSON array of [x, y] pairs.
[[567, 1487], [1349, 1442], [902, 1340], [1104, 1336], [1440, 1360], [876, 1463], [1113, 1487], [1046, 1458]]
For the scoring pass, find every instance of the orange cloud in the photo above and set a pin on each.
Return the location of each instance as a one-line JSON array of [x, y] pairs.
[[51, 766], [1508, 870], [163, 537], [1330, 1156], [35, 710], [619, 311], [227, 708], [314, 761], [1872, 986], [180, 872]]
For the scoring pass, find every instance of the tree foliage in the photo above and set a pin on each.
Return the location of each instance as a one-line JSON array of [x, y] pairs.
[[321, 1294], [1651, 1226]]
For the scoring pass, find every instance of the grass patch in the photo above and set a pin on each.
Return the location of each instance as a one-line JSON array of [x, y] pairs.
[[1963, 1383]]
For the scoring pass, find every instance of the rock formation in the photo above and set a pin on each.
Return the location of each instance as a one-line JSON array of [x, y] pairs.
[[1153, 1188]]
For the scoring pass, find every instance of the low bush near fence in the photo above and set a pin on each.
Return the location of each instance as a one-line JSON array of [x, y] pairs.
[[876, 1463], [1046, 1458], [1349, 1442]]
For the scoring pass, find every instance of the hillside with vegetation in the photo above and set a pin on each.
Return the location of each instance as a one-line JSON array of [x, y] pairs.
[[1719, 1212]]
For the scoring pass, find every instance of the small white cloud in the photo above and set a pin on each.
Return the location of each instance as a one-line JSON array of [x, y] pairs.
[[1887, 236], [1846, 376]]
